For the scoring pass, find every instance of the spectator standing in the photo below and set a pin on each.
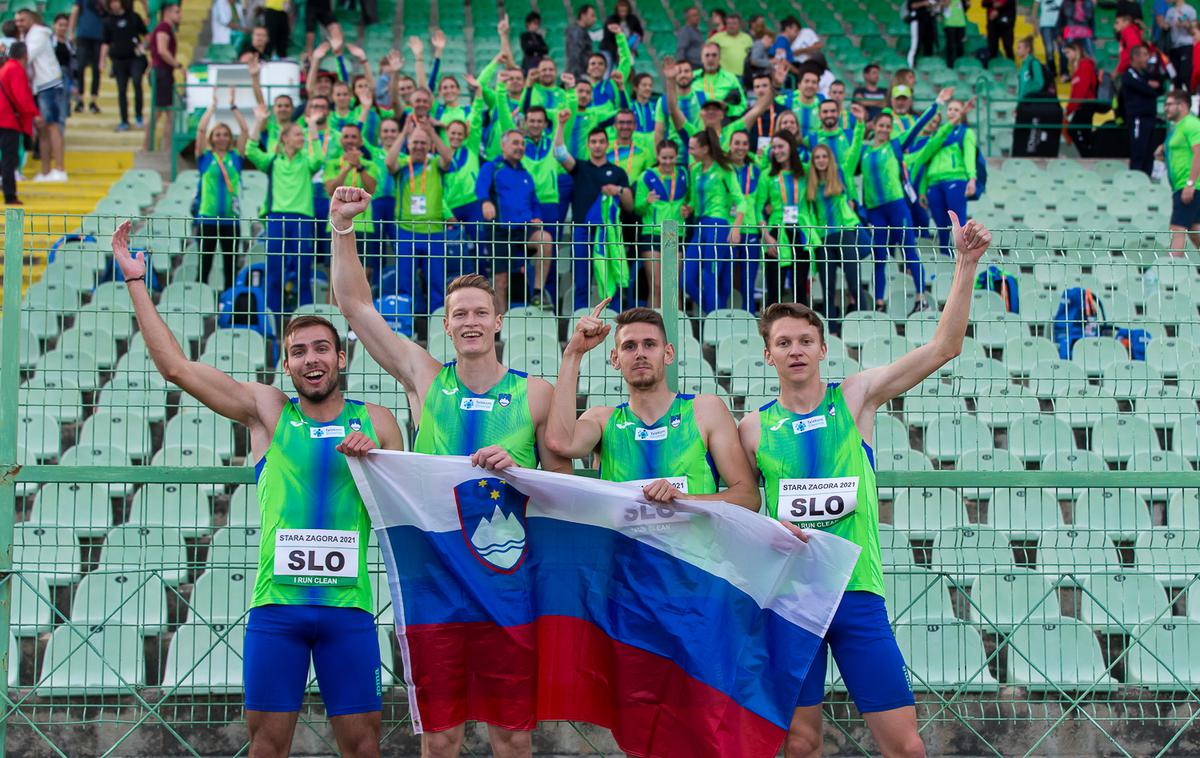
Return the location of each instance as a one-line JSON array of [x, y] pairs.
[[219, 160], [922, 28], [1181, 19], [1182, 153], [717, 83], [533, 42], [789, 32], [1130, 34], [843, 242], [689, 41], [1141, 88], [123, 34], [509, 205], [256, 46], [716, 21], [279, 26], [954, 28], [18, 115], [223, 22], [734, 44], [806, 45], [1048, 13], [164, 64], [50, 92], [1085, 83], [87, 28], [1001, 24], [1076, 23], [629, 25], [579, 41], [759, 62], [1160, 26], [1039, 116], [64, 51], [870, 95]]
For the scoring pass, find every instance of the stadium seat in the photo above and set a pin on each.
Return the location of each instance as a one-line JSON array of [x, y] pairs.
[[179, 506], [39, 437], [85, 508], [139, 549], [221, 596], [920, 327], [1183, 511], [90, 338], [752, 376], [946, 437], [243, 507], [147, 393], [205, 659], [945, 657], [979, 377], [1033, 437], [917, 596], [881, 351], [69, 368], [31, 610], [895, 548], [1114, 603], [837, 369], [1075, 552], [923, 410], [729, 322], [1060, 655], [1002, 404], [50, 552], [997, 330], [1055, 378], [1120, 438], [192, 458], [1003, 600], [858, 327], [985, 460], [1186, 434], [899, 460], [963, 552], [1164, 656], [1169, 554], [1167, 354], [234, 548], [538, 358], [1024, 513], [99, 455], [123, 428], [81, 660], [1084, 407], [538, 326], [923, 512], [890, 433], [133, 600], [734, 349], [194, 428], [1118, 513]]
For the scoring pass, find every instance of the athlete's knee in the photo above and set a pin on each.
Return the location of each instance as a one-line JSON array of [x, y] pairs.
[[803, 742], [270, 743], [508, 743], [445, 744]]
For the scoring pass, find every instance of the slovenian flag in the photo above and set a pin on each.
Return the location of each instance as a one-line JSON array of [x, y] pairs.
[[686, 630]]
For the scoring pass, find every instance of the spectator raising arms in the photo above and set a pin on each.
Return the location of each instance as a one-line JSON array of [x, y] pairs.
[[219, 160]]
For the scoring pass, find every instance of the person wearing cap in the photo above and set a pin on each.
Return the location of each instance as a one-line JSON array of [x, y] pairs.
[[711, 116], [717, 83], [903, 119]]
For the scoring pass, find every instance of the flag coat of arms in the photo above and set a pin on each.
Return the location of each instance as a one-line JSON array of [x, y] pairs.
[[686, 629]]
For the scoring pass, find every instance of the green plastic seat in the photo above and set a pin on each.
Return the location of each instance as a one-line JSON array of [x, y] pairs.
[[922, 410], [221, 596], [945, 657], [895, 548], [146, 392], [923, 512], [49, 552], [144, 177], [1075, 551], [243, 507], [329, 312], [1164, 656], [198, 428], [106, 660], [1024, 513], [39, 436], [1168, 354], [994, 331], [129, 600], [881, 351], [728, 322], [1059, 655], [536, 359], [205, 659], [1120, 438], [85, 508], [890, 433], [1005, 599], [117, 322], [1033, 437], [1115, 602], [917, 596], [234, 548], [99, 454], [1131, 380], [1183, 510], [965, 551], [1186, 437], [735, 348], [536, 326], [69, 368], [1055, 378], [383, 390], [1084, 407], [123, 428], [837, 369], [1002, 404], [1119, 513], [192, 458], [948, 436], [175, 506], [858, 327], [32, 607], [1097, 356], [1169, 553], [140, 549]]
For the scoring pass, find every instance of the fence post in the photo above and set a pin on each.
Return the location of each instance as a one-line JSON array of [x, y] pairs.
[[670, 292], [10, 377]]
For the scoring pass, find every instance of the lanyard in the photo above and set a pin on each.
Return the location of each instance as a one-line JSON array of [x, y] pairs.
[[224, 174], [783, 194], [749, 175], [771, 129], [412, 179], [671, 189], [710, 88], [628, 163]]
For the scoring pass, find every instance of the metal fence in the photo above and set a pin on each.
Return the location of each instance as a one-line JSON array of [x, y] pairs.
[[1041, 509]]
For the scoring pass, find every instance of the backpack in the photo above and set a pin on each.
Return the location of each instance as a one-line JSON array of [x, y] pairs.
[[1135, 341], [998, 280], [1080, 314]]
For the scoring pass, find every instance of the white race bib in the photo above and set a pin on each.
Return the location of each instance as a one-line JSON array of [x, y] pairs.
[[316, 557], [791, 214], [642, 434], [477, 404], [416, 205], [325, 432], [678, 482], [764, 144], [816, 503]]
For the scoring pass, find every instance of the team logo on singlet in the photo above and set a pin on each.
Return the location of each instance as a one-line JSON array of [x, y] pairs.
[[676, 421], [355, 425], [504, 399], [491, 513]]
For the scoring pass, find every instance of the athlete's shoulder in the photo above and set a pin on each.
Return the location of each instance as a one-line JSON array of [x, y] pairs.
[[707, 404]]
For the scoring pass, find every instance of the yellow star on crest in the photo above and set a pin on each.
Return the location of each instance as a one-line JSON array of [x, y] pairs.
[[495, 494], [483, 482]]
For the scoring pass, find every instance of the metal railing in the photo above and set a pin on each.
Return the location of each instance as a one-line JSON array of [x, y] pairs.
[[1041, 538]]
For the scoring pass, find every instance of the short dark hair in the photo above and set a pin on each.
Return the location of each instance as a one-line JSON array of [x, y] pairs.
[[582, 10], [537, 109], [598, 130], [470, 281], [1180, 96], [870, 66], [718, 13], [61, 16], [641, 316], [790, 21], [17, 51], [312, 100], [763, 75], [300, 322], [531, 17], [777, 311], [593, 56]]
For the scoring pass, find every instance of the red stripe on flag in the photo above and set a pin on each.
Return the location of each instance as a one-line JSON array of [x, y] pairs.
[[483, 672]]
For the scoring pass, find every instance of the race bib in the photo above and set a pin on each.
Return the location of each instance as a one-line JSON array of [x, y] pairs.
[[678, 482], [484, 404], [316, 557], [416, 205], [791, 214], [816, 503], [326, 432], [764, 144], [641, 434]]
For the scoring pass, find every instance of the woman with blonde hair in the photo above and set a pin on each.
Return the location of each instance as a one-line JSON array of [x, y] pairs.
[[842, 240]]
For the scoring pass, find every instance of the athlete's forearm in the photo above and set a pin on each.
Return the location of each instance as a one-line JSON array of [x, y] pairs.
[[561, 422], [350, 287], [164, 350], [744, 494], [952, 327]]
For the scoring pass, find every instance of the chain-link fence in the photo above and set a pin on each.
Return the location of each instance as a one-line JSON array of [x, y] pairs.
[[1041, 534]]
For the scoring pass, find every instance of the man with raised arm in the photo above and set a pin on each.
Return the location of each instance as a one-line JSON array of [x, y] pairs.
[[672, 444], [812, 449], [473, 405], [313, 602]]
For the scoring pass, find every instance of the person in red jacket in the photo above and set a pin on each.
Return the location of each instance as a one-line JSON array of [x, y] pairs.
[[1130, 34], [1083, 106], [18, 116]]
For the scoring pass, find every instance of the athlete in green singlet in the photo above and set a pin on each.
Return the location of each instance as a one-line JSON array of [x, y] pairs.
[[671, 444], [471, 406], [313, 602], [812, 449]]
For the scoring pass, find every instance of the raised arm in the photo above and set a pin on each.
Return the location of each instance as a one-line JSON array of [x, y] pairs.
[[202, 127], [445, 154], [567, 435], [402, 358], [255, 405], [417, 48], [243, 127], [868, 390], [560, 148]]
